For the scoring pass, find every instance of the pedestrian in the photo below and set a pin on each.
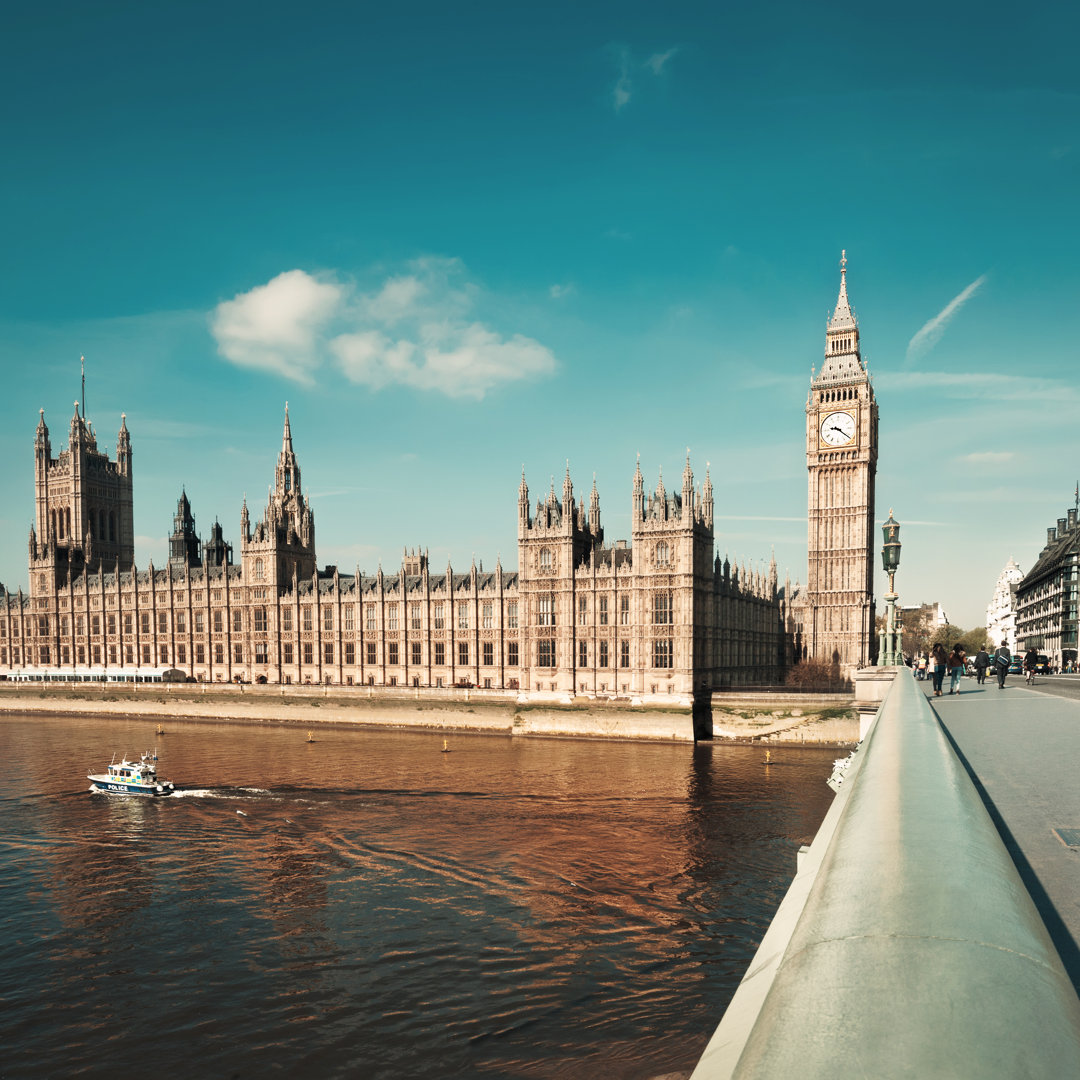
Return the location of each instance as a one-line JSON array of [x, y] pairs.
[[956, 668], [1002, 660], [939, 658], [982, 662], [921, 673]]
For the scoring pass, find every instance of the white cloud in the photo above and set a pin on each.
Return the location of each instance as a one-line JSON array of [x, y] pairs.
[[557, 291], [930, 332], [620, 95], [416, 329], [657, 61], [274, 327]]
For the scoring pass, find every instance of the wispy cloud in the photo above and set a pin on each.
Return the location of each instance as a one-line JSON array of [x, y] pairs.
[[988, 457], [656, 62], [557, 292], [930, 332], [979, 386], [416, 329], [627, 66]]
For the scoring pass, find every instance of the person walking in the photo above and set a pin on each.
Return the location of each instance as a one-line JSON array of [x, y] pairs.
[[939, 658], [921, 672], [982, 662], [956, 668], [1002, 660]]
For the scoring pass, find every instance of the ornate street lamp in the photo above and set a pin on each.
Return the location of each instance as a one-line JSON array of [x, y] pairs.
[[890, 652]]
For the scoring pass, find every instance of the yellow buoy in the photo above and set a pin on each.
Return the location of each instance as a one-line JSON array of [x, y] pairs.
[[768, 756], [445, 748], [310, 736]]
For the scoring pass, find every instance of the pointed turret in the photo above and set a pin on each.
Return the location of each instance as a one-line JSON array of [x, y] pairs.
[[707, 498], [523, 501], [594, 508], [843, 360], [688, 490], [123, 447], [638, 510]]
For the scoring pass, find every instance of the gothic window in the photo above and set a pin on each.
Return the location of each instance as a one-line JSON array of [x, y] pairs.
[[328, 652], [349, 615], [546, 614], [583, 654], [545, 559], [485, 614], [662, 653], [545, 654], [219, 653], [662, 609], [144, 622], [489, 653], [663, 554], [350, 653], [200, 653], [238, 653], [463, 616], [44, 654], [260, 620], [163, 653], [217, 623], [372, 655], [583, 610], [624, 654], [259, 573], [145, 654], [440, 653], [199, 626], [95, 624], [391, 652], [328, 618], [309, 653], [603, 602], [305, 616], [391, 616], [512, 653], [463, 654], [437, 614], [237, 621], [181, 623], [261, 653], [603, 654], [624, 610], [512, 614], [416, 655], [43, 625], [415, 617]]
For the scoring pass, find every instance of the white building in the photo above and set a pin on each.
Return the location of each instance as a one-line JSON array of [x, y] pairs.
[[1001, 611]]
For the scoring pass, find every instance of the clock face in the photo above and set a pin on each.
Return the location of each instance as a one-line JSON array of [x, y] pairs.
[[838, 429]]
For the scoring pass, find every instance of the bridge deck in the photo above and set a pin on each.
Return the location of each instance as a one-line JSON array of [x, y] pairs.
[[1022, 747]]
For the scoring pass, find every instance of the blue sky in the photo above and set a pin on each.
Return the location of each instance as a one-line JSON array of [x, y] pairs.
[[463, 241]]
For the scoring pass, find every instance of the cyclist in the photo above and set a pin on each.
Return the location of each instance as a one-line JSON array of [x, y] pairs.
[[1031, 658]]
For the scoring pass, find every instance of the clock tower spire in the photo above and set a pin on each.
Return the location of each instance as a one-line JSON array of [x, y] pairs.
[[841, 462]]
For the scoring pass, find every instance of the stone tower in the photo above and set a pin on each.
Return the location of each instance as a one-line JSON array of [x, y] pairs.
[[84, 519], [841, 460], [281, 547], [184, 543]]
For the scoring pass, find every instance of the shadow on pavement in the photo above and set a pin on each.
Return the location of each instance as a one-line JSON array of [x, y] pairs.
[[1063, 941]]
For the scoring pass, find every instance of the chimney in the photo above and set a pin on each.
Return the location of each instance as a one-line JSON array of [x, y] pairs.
[[1061, 527], [1051, 535], [1072, 520]]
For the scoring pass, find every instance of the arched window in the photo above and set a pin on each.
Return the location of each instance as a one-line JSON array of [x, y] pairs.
[[258, 569], [663, 554], [545, 559]]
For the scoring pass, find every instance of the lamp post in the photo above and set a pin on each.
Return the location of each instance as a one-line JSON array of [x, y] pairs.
[[890, 651]]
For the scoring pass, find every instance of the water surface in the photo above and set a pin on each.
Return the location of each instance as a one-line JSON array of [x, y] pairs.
[[368, 906]]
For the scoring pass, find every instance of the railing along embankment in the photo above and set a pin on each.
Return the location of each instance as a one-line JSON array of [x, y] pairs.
[[907, 945]]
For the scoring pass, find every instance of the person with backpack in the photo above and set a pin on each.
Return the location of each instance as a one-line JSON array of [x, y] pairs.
[[1002, 660], [956, 668], [939, 658], [982, 662]]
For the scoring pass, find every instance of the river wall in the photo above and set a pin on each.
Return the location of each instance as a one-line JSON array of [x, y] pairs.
[[742, 718]]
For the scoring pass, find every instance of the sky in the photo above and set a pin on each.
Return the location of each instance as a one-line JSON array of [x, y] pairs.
[[460, 241]]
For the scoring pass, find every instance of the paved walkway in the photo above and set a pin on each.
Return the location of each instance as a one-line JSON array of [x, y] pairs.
[[1022, 747]]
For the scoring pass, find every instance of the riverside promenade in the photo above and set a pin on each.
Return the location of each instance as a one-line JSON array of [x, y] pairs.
[[1021, 746]]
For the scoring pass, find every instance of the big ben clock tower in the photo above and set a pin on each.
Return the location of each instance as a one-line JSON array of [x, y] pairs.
[[841, 462]]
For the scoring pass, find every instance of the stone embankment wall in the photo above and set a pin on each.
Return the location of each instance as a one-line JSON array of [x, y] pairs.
[[745, 718]]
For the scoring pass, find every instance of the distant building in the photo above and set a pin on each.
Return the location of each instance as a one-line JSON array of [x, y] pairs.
[[1001, 611], [1046, 599]]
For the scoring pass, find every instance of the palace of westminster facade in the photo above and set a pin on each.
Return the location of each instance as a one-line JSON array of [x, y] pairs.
[[660, 617]]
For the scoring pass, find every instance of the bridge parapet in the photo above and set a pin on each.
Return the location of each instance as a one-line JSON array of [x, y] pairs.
[[907, 944]]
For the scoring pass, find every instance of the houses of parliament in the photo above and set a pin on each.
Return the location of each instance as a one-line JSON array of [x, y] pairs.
[[659, 617]]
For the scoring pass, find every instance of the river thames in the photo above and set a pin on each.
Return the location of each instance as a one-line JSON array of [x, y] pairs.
[[368, 906]]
